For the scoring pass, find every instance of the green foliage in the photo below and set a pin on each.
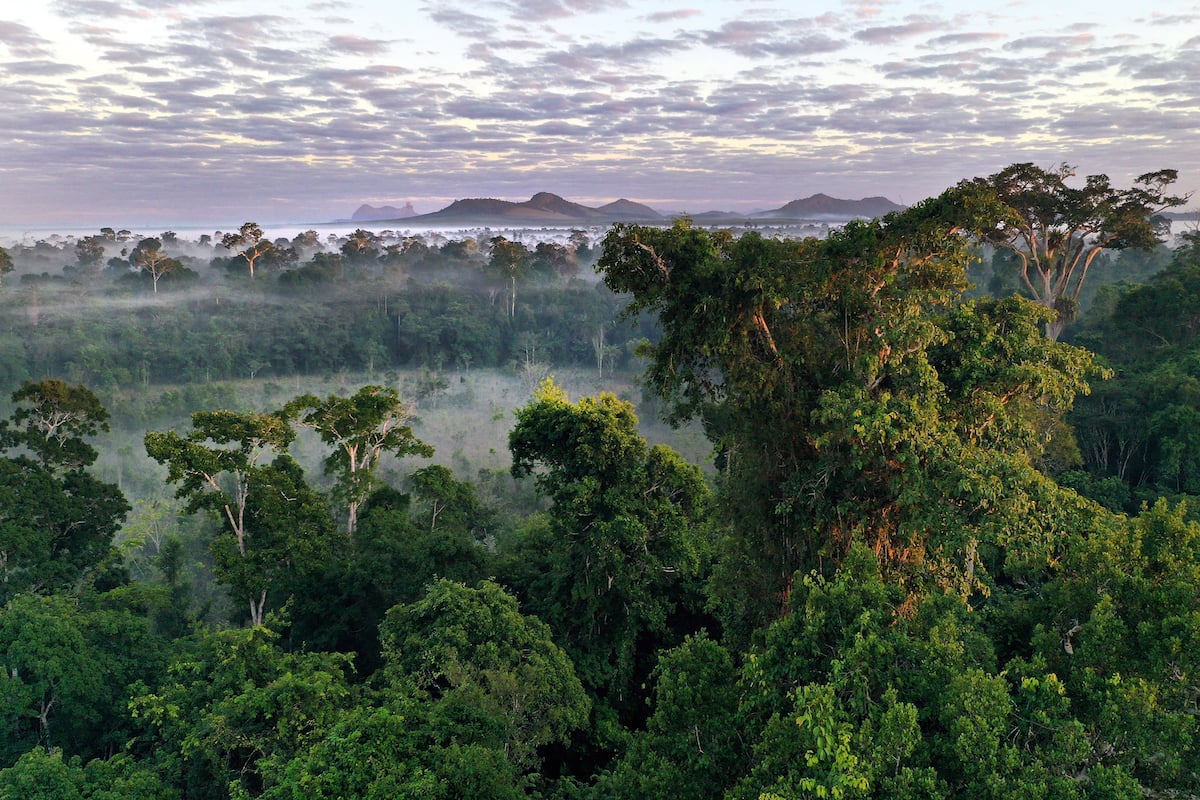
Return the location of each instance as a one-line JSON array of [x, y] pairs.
[[57, 521], [1125, 634], [627, 533], [232, 706], [496, 675], [43, 774], [691, 748], [844, 386], [359, 429], [66, 673]]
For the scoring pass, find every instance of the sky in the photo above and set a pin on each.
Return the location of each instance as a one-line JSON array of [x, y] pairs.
[[191, 112]]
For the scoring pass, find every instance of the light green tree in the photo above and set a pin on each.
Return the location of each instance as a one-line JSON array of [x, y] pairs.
[[360, 429]]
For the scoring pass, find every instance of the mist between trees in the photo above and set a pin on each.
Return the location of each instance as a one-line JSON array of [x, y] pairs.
[[382, 520]]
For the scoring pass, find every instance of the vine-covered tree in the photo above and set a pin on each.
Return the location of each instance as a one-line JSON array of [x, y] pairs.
[[844, 388]]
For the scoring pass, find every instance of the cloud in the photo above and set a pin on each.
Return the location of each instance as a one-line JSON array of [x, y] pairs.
[[530, 10], [358, 45], [22, 41], [38, 67], [966, 39], [671, 16], [886, 34], [465, 24], [765, 39], [97, 9], [221, 105], [1051, 42]]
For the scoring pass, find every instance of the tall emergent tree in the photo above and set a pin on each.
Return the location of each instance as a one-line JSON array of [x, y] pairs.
[[1056, 230], [150, 257], [510, 260], [248, 243], [360, 428], [845, 386]]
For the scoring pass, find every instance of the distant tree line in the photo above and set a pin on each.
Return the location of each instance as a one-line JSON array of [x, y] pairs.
[[365, 308]]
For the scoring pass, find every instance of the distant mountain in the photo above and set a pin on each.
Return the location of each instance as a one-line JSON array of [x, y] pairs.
[[544, 208], [822, 206], [368, 213], [628, 211]]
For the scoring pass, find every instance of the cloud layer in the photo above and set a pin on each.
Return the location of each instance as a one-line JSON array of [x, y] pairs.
[[181, 111]]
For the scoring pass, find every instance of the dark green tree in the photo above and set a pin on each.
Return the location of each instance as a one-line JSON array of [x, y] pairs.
[[627, 535], [66, 672], [495, 674], [232, 705], [6, 263], [57, 520]]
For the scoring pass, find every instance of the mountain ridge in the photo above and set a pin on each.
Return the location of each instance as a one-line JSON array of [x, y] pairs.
[[549, 208]]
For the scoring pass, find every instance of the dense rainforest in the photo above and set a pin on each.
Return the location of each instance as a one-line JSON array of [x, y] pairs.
[[945, 545]]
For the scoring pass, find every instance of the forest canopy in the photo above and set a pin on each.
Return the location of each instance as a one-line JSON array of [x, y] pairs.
[[946, 546]]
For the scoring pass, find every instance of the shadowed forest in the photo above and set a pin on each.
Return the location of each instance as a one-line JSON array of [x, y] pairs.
[[906, 511]]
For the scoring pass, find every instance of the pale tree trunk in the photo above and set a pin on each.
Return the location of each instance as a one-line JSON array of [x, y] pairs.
[[256, 609]]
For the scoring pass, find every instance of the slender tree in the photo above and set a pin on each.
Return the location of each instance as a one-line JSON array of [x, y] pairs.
[[150, 258], [509, 260], [248, 243], [219, 465], [360, 428]]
